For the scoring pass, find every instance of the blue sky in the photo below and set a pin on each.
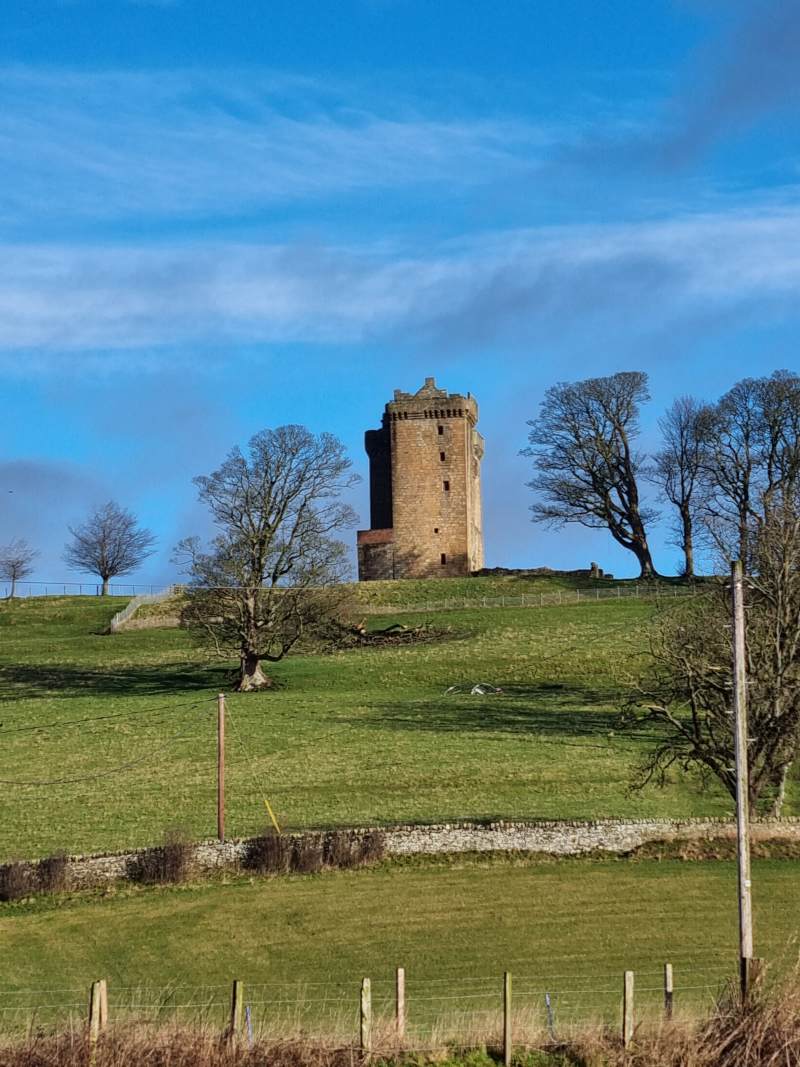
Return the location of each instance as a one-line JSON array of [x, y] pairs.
[[220, 217]]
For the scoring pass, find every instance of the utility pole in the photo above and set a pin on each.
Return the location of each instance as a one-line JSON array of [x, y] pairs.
[[221, 766], [742, 779]]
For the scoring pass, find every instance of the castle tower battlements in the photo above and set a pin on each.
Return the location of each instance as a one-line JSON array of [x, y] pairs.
[[425, 488]]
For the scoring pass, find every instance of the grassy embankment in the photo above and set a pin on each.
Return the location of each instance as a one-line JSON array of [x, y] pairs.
[[302, 943], [123, 727]]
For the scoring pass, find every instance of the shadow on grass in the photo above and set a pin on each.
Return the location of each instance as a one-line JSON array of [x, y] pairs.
[[69, 680], [533, 710]]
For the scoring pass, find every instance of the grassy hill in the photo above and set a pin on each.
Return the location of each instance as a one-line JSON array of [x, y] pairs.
[[109, 740], [418, 593]]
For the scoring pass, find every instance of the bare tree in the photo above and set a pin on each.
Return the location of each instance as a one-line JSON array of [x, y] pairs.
[[678, 467], [587, 469], [689, 688], [273, 573], [108, 544], [16, 563], [752, 460]]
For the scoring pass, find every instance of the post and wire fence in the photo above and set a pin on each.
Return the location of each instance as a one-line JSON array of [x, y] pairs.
[[394, 1011], [25, 588]]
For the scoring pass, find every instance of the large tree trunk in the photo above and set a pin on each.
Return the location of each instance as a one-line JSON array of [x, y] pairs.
[[638, 540], [13, 592], [105, 587], [642, 552], [250, 674]]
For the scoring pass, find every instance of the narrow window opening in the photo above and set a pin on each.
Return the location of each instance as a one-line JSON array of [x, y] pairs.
[[447, 487], [441, 430], [444, 558], [442, 456], [436, 529]]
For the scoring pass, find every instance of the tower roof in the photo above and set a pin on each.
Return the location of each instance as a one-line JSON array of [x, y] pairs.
[[432, 403]]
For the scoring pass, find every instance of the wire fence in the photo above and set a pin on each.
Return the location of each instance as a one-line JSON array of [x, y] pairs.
[[26, 589], [562, 597], [417, 1011]]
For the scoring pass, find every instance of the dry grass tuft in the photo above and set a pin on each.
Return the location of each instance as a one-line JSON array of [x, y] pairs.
[[765, 1033], [171, 1047]]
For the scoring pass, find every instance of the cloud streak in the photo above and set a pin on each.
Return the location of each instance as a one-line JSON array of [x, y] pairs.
[[738, 78], [71, 300], [138, 145]]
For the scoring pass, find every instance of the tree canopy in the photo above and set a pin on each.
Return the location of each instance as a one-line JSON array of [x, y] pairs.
[[587, 468], [272, 573], [109, 543]]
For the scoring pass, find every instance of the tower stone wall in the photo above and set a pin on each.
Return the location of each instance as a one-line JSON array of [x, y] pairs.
[[425, 488]]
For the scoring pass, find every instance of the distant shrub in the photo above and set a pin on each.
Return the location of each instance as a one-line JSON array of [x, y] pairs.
[[351, 848], [338, 849], [17, 880], [52, 873], [267, 854], [168, 864], [372, 846], [307, 854]]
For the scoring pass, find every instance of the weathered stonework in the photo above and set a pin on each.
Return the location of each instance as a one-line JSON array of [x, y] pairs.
[[425, 488], [554, 838]]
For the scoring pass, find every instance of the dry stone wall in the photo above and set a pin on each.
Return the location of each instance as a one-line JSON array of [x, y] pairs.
[[562, 838]]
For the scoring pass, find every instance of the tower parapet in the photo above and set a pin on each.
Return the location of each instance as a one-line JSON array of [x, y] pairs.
[[425, 488]]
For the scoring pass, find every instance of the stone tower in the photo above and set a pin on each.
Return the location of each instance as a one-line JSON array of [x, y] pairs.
[[425, 488]]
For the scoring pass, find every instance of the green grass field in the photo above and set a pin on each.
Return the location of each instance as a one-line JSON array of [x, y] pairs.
[[302, 943], [109, 740]]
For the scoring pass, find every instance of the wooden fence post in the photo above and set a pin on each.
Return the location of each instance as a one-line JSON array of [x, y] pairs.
[[627, 1010], [103, 1003], [366, 1015], [668, 991], [400, 1002], [237, 1007], [507, 1019], [95, 1017]]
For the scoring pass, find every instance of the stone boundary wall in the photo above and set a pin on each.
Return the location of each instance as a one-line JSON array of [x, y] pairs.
[[553, 838], [151, 622]]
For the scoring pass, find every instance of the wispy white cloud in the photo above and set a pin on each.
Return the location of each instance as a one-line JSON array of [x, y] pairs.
[[143, 145], [63, 300]]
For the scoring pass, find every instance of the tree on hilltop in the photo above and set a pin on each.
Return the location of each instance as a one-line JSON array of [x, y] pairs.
[[582, 447], [751, 466], [109, 543], [16, 563], [273, 573], [678, 469]]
